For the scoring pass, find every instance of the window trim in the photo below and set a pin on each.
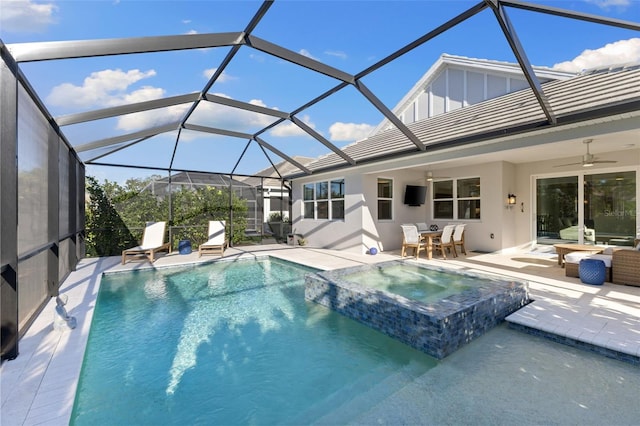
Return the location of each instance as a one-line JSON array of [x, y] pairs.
[[455, 199], [378, 198], [329, 200]]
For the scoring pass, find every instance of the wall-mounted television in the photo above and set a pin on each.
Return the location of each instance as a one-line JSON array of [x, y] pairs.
[[415, 195]]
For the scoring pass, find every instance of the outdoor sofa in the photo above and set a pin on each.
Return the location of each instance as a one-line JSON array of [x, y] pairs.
[[622, 264]]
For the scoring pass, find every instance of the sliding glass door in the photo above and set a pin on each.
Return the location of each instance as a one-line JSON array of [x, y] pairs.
[[597, 208], [610, 207], [557, 209]]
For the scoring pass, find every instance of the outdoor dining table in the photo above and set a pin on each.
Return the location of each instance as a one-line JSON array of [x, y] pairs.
[[429, 236]]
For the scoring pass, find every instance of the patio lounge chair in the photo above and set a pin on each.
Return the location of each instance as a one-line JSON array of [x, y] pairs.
[[412, 239], [152, 242], [571, 233], [217, 239], [445, 242]]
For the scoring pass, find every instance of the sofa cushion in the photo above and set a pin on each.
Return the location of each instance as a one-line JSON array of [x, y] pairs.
[[606, 258], [575, 256]]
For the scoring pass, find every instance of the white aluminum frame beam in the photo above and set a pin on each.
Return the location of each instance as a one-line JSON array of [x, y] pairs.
[[298, 59], [322, 139], [125, 138], [389, 114], [472, 11], [216, 131], [46, 51], [99, 114], [281, 155], [549, 10], [245, 106], [120, 148]]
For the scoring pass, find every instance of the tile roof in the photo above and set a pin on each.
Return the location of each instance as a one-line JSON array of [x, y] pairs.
[[583, 97]]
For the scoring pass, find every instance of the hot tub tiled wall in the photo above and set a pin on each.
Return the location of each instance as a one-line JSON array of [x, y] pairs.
[[437, 328]]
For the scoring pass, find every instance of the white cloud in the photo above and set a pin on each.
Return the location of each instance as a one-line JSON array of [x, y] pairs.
[[338, 54], [151, 118], [219, 116], [108, 88], [190, 32], [26, 16], [349, 131], [103, 88], [186, 21], [619, 52], [291, 129], [224, 77], [257, 58], [305, 52], [606, 4]]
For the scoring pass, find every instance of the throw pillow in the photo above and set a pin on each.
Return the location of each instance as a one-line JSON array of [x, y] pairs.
[[435, 228]]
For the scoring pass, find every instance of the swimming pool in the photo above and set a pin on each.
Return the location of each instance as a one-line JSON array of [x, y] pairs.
[[505, 377], [232, 342]]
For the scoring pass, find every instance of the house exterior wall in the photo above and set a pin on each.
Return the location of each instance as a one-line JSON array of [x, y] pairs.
[[494, 230], [500, 228], [339, 234], [361, 229]]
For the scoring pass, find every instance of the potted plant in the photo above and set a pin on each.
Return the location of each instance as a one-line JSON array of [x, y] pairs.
[[302, 240]]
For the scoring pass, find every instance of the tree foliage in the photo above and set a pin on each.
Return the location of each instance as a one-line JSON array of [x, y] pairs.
[[116, 214]]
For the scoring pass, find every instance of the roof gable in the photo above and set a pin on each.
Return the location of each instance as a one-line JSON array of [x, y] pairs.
[[490, 70]]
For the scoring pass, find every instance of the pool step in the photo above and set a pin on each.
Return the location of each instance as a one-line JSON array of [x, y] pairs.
[[356, 398]]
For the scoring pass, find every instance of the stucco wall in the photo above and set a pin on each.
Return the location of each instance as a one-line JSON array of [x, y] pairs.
[[361, 230], [499, 229]]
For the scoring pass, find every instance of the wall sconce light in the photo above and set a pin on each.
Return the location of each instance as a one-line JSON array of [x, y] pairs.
[[511, 200]]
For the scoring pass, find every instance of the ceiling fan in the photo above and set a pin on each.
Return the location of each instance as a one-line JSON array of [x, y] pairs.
[[431, 177], [588, 159]]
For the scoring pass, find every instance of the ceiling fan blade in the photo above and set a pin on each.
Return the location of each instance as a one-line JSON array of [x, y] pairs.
[[569, 164], [588, 159]]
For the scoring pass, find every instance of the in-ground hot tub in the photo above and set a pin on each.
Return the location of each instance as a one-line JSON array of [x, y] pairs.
[[432, 309]]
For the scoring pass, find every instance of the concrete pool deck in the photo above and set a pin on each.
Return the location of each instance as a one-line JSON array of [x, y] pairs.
[[39, 386]]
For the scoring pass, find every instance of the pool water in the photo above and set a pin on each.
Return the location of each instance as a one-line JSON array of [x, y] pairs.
[[413, 282], [232, 342]]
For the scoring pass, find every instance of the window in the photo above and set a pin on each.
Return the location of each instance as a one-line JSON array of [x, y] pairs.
[[323, 200], [456, 198], [385, 199], [468, 191]]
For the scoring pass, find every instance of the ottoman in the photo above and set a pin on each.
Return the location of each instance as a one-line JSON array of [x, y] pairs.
[[592, 271], [572, 261]]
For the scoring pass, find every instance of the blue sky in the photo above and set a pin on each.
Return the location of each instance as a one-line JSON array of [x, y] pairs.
[[348, 35]]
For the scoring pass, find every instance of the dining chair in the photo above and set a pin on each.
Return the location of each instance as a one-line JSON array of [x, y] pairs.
[[445, 241], [411, 239], [458, 238], [422, 227]]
